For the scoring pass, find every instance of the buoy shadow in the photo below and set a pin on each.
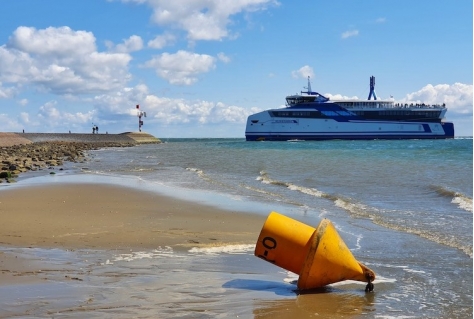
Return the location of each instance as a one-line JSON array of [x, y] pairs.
[[280, 289]]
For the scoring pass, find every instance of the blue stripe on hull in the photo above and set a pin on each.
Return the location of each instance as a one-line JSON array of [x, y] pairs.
[[447, 127], [342, 137]]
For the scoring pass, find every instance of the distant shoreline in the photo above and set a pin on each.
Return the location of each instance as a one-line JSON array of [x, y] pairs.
[[10, 139], [23, 152]]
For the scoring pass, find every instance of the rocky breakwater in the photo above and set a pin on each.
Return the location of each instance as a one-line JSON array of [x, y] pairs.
[[32, 152], [18, 159]]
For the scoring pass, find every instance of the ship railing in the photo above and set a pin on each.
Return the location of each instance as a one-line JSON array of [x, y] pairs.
[[419, 106], [399, 106]]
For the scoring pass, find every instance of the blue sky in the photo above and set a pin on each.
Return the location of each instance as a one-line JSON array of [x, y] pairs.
[[198, 68]]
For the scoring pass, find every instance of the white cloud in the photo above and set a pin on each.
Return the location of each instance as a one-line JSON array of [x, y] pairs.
[[122, 103], [23, 102], [162, 41], [9, 124], [168, 111], [179, 111], [349, 33], [15, 65], [133, 43], [61, 61], [182, 67], [50, 116], [202, 19], [59, 42], [224, 58], [457, 97], [340, 97], [303, 72], [49, 112], [24, 118], [6, 92], [380, 20]]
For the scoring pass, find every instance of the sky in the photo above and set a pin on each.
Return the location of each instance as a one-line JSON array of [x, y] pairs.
[[199, 68]]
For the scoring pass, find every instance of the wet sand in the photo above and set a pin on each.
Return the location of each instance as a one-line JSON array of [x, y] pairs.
[[65, 251], [109, 217]]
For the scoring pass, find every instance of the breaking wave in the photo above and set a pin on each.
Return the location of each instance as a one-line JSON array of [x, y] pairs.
[[264, 178], [359, 210], [271, 194], [161, 252], [228, 249], [200, 173], [461, 200], [378, 217]]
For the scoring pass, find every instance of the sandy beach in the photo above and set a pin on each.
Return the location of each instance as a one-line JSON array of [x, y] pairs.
[[58, 241], [96, 216], [113, 217]]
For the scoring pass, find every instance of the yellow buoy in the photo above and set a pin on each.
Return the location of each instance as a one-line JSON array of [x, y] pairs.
[[318, 255]]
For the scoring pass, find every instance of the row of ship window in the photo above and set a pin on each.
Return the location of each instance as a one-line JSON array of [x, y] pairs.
[[317, 114], [363, 104]]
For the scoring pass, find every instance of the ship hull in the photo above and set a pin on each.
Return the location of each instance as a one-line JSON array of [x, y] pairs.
[[261, 127]]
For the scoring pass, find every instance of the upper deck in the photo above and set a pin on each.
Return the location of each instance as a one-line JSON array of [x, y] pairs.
[[301, 100], [378, 104], [297, 99]]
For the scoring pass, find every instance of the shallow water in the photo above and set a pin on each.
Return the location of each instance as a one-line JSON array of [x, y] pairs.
[[165, 284], [216, 283]]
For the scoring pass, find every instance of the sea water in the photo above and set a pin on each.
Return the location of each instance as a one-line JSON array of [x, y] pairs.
[[404, 208]]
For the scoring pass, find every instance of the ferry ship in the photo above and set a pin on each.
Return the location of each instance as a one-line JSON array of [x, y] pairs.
[[312, 116]]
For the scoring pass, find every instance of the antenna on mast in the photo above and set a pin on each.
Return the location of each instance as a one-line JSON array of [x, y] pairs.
[[309, 92]]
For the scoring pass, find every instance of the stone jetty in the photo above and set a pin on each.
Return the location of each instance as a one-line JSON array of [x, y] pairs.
[[23, 152]]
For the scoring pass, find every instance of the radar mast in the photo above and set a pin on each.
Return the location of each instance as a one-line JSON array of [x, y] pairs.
[[372, 88]]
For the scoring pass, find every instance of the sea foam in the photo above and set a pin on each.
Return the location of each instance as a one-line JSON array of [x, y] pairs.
[[228, 249]]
